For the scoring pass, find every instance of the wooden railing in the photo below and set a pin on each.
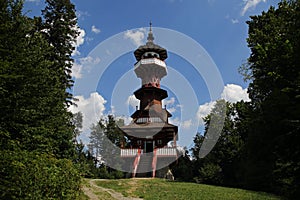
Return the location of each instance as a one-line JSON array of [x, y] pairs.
[[150, 61], [154, 161], [129, 152], [168, 151], [136, 162]]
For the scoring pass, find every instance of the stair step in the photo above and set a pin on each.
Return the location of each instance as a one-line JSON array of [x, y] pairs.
[[145, 166]]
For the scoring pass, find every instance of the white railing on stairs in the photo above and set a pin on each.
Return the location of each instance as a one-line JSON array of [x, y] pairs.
[[168, 151], [129, 152]]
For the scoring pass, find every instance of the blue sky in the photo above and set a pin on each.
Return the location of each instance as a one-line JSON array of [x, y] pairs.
[[114, 28]]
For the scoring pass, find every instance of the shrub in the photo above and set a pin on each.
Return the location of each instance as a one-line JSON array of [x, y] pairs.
[[29, 175], [210, 174]]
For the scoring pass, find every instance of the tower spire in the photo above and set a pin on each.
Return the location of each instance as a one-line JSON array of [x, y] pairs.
[[150, 46], [150, 37]]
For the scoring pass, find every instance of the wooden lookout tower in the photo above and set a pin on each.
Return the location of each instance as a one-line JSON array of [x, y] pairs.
[[150, 131]]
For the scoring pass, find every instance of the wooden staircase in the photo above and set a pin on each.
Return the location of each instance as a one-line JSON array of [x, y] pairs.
[[145, 165]]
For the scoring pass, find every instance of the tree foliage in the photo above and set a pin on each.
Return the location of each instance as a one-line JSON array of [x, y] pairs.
[[181, 169], [220, 165], [273, 151], [34, 120], [258, 146], [33, 100], [106, 139], [31, 175]]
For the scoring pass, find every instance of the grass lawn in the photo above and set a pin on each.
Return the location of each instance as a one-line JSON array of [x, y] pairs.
[[149, 189]]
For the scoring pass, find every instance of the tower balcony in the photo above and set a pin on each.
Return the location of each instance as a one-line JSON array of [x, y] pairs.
[[150, 67], [147, 61]]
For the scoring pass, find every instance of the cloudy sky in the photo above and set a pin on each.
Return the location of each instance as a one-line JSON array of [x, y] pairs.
[[206, 43]]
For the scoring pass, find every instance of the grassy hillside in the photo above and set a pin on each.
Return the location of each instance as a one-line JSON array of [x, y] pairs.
[[150, 189]]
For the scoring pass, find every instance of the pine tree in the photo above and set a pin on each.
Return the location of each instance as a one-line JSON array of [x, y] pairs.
[[34, 84], [23, 77], [59, 28], [34, 123]]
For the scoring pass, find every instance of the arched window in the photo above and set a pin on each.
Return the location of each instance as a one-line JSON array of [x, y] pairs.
[[150, 55]]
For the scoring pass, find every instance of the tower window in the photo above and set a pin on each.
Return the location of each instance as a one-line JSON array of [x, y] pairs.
[[149, 119], [142, 120], [150, 55]]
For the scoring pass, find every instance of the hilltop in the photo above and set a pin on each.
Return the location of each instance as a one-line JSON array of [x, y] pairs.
[[148, 189]]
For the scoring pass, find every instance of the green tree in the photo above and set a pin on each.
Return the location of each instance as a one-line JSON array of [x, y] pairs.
[[34, 82], [35, 127], [198, 140], [24, 75], [59, 27], [221, 164], [61, 30], [105, 141], [272, 148], [181, 168]]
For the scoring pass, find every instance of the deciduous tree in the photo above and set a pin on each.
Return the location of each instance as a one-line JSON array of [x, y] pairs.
[[273, 149]]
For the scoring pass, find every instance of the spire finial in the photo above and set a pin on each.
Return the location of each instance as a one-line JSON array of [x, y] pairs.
[[150, 37]]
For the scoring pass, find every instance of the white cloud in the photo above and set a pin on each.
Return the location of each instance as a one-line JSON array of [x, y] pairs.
[[133, 101], [89, 60], [76, 70], [187, 124], [170, 105], [250, 4], [79, 41], [135, 36], [234, 21], [92, 109], [234, 93], [127, 120], [204, 110], [172, 110], [168, 102], [95, 30], [89, 39], [83, 64], [174, 121], [231, 93], [112, 110], [81, 14]]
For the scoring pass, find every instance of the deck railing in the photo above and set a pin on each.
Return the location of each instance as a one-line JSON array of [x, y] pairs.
[[129, 152], [168, 151], [150, 61]]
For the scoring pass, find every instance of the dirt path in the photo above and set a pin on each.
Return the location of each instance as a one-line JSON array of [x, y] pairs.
[[88, 191], [92, 191]]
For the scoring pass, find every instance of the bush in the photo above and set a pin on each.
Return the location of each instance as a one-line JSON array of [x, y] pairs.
[[210, 174], [28, 175]]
